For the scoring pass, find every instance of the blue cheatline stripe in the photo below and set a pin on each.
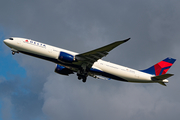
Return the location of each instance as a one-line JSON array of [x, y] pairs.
[[95, 70], [105, 74]]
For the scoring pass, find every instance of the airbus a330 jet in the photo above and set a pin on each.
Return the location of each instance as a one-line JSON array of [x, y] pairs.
[[90, 63]]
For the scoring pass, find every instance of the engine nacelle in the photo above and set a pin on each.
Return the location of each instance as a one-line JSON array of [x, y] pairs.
[[65, 57], [62, 70]]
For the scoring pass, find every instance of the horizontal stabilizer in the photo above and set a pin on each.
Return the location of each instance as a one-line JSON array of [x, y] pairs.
[[162, 83], [161, 77]]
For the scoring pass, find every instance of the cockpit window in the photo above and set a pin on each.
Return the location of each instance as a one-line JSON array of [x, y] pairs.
[[11, 38]]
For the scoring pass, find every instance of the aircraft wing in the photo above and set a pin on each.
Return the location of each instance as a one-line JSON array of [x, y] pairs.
[[90, 57]]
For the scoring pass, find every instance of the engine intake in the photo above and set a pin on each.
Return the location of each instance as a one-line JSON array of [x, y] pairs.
[[65, 57], [62, 70]]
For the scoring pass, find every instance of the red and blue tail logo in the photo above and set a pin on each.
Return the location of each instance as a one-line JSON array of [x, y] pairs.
[[161, 67]]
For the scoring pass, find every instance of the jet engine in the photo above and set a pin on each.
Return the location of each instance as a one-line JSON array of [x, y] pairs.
[[62, 70], [65, 57]]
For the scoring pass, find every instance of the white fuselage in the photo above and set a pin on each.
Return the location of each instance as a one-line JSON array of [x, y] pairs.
[[51, 53]]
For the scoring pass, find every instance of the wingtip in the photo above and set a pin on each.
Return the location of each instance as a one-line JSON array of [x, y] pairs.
[[127, 39]]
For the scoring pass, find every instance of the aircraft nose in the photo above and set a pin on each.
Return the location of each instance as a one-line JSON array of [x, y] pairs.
[[5, 41]]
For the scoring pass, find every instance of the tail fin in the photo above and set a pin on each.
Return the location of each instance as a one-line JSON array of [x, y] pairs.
[[160, 68]]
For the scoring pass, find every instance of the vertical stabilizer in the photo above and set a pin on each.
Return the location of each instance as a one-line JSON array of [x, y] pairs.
[[160, 68]]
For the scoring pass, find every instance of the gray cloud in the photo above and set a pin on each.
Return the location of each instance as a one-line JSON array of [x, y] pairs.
[[81, 26], [127, 101], [6, 109]]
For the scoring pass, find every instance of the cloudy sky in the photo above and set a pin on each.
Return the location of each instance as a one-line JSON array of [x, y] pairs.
[[29, 88]]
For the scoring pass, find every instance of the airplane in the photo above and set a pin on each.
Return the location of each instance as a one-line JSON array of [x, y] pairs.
[[90, 63]]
